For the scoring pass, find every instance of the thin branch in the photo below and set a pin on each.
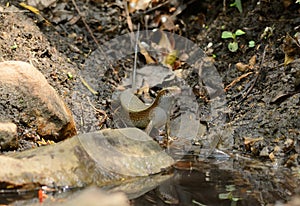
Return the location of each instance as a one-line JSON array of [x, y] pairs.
[[135, 59], [256, 78], [88, 86], [128, 18], [235, 81], [100, 111]]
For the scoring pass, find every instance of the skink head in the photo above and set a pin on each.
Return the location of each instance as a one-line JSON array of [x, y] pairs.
[[169, 91], [165, 97]]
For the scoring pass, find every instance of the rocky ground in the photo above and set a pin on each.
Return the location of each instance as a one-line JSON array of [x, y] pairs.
[[262, 92], [261, 81]]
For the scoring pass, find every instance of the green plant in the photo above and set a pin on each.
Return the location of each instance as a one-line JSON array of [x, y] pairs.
[[70, 75], [232, 46], [238, 5], [251, 43], [14, 46], [268, 32], [298, 1], [229, 195]]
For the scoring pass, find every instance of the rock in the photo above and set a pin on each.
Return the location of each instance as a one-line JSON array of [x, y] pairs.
[[152, 75], [27, 98], [41, 4], [8, 135], [295, 201], [91, 196], [108, 157], [94, 197], [264, 152]]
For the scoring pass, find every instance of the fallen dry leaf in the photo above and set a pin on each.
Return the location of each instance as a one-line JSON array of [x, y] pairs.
[[166, 47], [291, 48], [167, 23], [145, 53], [242, 67], [252, 61], [166, 43], [35, 11], [153, 75], [41, 4], [138, 5], [249, 141]]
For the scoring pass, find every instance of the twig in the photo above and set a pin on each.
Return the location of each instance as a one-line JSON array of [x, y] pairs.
[[257, 75], [35, 11], [100, 111], [236, 81], [88, 86], [135, 59], [157, 7], [152, 9], [128, 18], [224, 6]]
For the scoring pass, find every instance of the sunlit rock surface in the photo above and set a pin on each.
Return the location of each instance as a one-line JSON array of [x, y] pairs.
[[8, 135], [107, 157], [28, 99]]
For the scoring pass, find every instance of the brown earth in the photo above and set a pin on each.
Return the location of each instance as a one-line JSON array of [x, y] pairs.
[[263, 106]]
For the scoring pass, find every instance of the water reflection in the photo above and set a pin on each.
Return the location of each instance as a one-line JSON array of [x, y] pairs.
[[234, 181], [218, 181]]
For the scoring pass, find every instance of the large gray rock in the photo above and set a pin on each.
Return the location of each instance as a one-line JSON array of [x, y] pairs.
[[107, 157], [27, 98], [8, 135]]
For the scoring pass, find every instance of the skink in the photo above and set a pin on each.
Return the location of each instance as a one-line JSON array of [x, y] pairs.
[[153, 116]]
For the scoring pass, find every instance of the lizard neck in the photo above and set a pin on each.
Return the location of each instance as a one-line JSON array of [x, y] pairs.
[[142, 118], [162, 100]]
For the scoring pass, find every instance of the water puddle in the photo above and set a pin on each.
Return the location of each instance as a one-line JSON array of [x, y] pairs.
[[219, 181], [235, 181]]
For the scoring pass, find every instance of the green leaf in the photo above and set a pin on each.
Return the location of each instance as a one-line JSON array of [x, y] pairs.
[[298, 1], [238, 5], [227, 34], [70, 76], [230, 188], [251, 43], [235, 199], [224, 196], [197, 203], [14, 47], [239, 32], [233, 46], [232, 4]]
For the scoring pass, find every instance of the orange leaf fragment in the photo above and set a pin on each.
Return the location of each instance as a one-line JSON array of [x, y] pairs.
[[138, 5]]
